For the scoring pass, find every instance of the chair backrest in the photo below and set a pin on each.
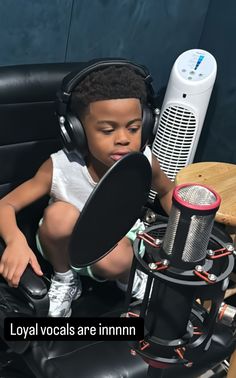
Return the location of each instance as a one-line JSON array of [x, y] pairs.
[[29, 132], [28, 126]]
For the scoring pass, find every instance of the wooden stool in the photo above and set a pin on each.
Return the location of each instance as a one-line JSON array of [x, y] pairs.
[[222, 178]]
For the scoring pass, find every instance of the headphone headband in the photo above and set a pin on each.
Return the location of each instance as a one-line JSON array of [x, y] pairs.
[[73, 78]]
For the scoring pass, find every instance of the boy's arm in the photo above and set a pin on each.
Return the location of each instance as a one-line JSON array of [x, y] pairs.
[[162, 185], [17, 254]]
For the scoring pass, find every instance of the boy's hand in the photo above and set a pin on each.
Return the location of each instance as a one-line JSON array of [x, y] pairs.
[[16, 257]]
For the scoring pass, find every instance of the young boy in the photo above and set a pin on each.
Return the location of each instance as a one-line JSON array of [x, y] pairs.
[[109, 105]]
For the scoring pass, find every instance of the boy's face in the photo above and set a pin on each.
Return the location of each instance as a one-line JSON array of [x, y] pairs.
[[113, 129]]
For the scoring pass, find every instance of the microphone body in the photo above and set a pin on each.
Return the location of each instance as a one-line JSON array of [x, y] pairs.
[[184, 245]]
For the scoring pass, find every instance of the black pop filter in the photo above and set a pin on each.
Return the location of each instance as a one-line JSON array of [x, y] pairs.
[[111, 210]]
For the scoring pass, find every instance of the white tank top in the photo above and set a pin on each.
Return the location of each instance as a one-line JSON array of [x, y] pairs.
[[71, 180]]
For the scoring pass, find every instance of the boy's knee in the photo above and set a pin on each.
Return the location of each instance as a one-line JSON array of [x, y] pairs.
[[111, 271], [117, 262], [58, 220]]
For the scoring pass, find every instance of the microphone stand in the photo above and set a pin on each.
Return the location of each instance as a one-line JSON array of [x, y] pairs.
[[177, 329]]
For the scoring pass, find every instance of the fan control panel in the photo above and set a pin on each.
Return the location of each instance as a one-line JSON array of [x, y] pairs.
[[196, 65]]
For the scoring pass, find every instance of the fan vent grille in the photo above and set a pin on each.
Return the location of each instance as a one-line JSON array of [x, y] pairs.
[[174, 139]]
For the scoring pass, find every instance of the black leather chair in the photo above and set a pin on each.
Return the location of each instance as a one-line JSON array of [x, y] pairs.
[[28, 134]]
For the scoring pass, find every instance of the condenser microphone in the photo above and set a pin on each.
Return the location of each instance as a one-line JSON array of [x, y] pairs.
[[190, 225], [184, 247], [180, 269]]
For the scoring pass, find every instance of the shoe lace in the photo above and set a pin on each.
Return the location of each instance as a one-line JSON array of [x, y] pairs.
[[58, 290]]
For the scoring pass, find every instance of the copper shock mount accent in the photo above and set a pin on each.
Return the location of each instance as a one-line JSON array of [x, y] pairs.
[[143, 345], [132, 314], [222, 311], [159, 265], [156, 243], [221, 252], [213, 255], [204, 276], [196, 331], [180, 352]]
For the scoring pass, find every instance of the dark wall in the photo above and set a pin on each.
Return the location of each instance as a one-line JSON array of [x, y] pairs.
[[34, 31], [218, 139], [151, 32]]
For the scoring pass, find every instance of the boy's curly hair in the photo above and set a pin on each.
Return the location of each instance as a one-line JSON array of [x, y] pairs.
[[113, 82]]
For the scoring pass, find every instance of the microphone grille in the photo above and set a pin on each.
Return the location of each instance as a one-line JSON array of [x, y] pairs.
[[197, 195], [190, 222], [198, 237]]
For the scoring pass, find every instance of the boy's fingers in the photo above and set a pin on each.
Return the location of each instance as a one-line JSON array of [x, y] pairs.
[[35, 265], [5, 272], [14, 282]]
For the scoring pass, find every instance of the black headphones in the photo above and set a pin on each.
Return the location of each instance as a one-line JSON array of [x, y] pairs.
[[71, 129]]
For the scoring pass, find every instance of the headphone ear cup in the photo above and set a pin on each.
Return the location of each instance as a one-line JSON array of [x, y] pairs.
[[75, 131], [148, 122], [66, 140]]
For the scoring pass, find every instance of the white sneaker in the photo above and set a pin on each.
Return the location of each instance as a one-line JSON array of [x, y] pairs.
[[62, 292], [139, 284]]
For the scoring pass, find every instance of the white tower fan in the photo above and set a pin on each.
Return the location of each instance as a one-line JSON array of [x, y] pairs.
[[183, 110]]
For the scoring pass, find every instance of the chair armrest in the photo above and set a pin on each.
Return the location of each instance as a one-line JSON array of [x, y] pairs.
[[35, 291], [32, 284], [33, 288]]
